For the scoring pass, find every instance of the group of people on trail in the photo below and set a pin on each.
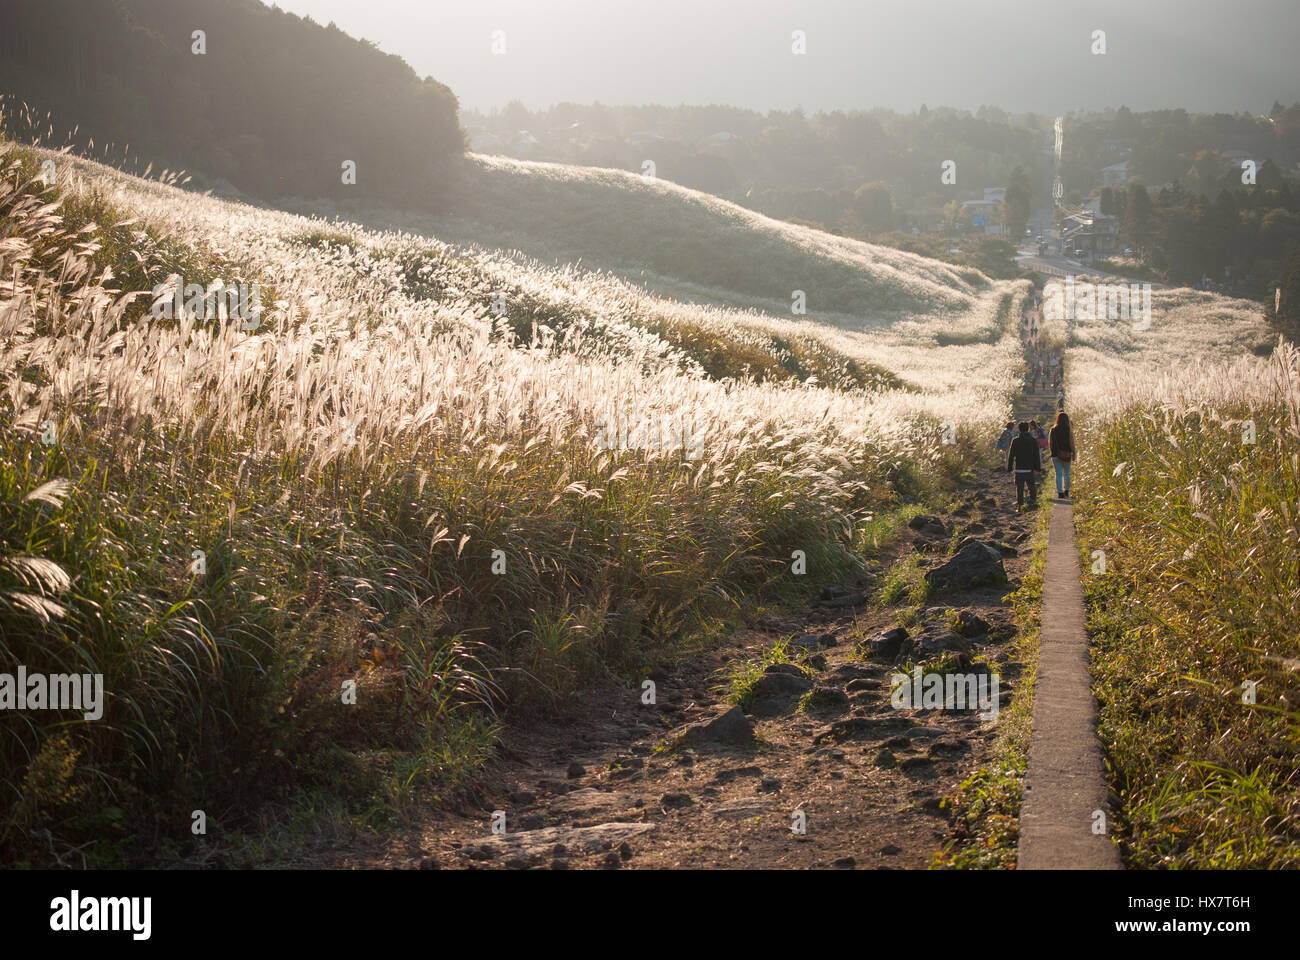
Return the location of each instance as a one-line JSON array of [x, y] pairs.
[[1043, 368], [1026, 444], [1044, 372]]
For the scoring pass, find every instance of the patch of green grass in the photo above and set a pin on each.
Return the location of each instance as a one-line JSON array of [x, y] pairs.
[[903, 580], [738, 687]]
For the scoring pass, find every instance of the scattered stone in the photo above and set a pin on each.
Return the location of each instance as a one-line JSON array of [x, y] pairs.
[[853, 671], [675, 801], [559, 863], [885, 758], [928, 525], [429, 863], [769, 784], [845, 863], [829, 640], [886, 646], [731, 727], [625, 851], [948, 746], [576, 770], [913, 763], [809, 641], [890, 850], [862, 683], [817, 661], [931, 644], [789, 681], [974, 565], [898, 743], [522, 798], [832, 593], [611, 861], [828, 698], [541, 843], [970, 624]]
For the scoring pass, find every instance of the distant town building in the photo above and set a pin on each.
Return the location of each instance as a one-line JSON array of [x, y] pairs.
[[986, 214], [1094, 233]]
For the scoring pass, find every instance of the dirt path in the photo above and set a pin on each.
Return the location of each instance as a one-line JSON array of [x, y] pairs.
[[605, 787], [1065, 805]]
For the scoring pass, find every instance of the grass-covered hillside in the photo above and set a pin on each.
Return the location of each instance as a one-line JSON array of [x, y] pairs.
[[692, 245], [319, 559]]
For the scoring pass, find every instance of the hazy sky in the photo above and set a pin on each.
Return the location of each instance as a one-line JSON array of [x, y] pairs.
[[1205, 55]]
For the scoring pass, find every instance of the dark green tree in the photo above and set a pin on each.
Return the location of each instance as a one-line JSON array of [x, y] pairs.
[[1019, 200]]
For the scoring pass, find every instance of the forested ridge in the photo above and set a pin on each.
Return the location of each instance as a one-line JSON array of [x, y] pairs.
[[274, 105]]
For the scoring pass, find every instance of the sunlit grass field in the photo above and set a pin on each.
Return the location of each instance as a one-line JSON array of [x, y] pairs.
[[452, 485]]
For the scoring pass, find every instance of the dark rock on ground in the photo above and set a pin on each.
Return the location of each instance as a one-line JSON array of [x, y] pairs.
[[885, 646], [974, 565], [809, 641], [928, 525], [970, 624], [731, 727]]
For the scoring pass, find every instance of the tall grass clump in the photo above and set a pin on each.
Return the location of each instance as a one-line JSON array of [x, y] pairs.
[[1190, 484]]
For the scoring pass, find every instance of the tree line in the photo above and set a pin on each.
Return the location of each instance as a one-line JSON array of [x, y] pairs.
[[235, 91]]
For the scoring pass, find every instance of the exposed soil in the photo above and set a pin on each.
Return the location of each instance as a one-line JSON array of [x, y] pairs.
[[605, 788]]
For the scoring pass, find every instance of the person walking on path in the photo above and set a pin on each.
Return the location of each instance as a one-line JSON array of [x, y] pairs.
[[1024, 460], [1039, 434], [1008, 434], [1061, 443]]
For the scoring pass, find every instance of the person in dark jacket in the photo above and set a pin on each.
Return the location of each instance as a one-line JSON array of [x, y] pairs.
[[1061, 443], [1024, 460]]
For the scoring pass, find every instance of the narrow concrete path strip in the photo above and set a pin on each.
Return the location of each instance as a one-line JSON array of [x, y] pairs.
[[1065, 786]]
